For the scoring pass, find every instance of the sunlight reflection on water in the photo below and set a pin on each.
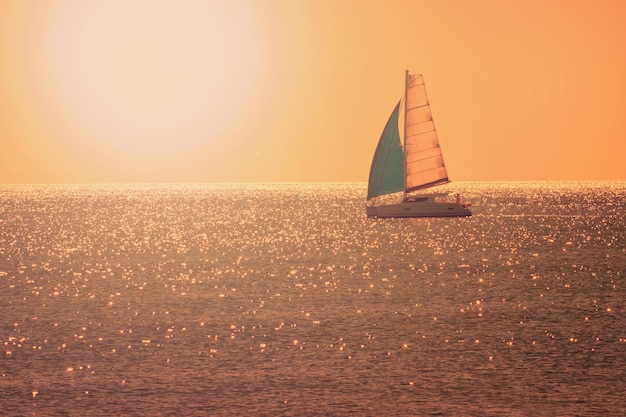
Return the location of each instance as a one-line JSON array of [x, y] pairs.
[[284, 299]]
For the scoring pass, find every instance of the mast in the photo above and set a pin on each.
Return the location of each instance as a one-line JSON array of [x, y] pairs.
[[406, 89]]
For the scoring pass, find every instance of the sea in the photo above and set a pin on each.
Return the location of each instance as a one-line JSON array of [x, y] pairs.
[[286, 300]]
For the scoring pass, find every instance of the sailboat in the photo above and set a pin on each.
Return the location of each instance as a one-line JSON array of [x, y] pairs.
[[415, 166]]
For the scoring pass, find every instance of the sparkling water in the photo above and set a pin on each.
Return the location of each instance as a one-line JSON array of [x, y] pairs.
[[284, 299]]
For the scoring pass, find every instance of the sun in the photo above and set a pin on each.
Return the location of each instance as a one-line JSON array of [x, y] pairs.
[[151, 76]]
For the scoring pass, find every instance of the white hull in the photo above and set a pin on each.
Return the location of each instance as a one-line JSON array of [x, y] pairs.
[[428, 207]]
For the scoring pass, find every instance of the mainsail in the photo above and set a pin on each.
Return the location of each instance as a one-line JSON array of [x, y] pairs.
[[387, 170], [424, 160]]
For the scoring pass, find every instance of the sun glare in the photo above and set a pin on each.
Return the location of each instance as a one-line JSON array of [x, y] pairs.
[[152, 77]]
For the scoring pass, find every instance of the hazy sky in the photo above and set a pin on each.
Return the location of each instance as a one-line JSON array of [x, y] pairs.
[[300, 90]]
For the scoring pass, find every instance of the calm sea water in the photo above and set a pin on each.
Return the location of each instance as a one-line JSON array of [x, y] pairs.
[[286, 300]]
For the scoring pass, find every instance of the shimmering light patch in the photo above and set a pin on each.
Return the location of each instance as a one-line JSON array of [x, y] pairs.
[[254, 290]]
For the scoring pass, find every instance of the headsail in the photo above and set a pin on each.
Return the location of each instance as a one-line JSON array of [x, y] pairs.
[[387, 170], [424, 160]]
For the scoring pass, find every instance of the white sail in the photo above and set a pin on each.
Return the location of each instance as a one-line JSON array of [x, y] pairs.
[[424, 166]]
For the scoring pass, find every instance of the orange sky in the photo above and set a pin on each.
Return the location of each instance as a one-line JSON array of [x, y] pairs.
[[299, 90]]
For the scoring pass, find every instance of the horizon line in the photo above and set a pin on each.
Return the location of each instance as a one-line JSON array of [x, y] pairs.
[[301, 182]]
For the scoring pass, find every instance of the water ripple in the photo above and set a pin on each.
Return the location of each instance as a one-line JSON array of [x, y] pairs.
[[284, 299]]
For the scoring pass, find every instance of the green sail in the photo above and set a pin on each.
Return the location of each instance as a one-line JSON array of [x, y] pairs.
[[387, 171]]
